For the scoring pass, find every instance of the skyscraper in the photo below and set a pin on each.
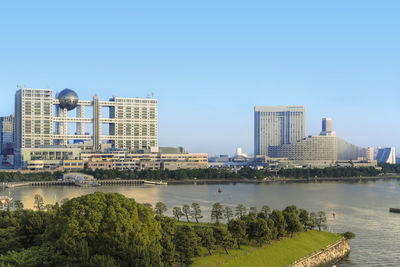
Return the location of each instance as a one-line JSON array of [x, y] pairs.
[[277, 125], [6, 134], [327, 125]]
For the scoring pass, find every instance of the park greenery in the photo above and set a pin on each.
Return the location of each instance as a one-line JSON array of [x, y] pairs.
[[244, 174], [108, 229]]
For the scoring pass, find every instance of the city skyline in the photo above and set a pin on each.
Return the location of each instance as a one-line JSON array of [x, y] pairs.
[[209, 65]]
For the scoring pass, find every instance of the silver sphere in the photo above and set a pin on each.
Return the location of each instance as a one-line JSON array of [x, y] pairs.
[[68, 99]]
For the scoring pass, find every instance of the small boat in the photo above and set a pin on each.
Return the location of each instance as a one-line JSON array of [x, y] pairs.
[[219, 189], [396, 210]]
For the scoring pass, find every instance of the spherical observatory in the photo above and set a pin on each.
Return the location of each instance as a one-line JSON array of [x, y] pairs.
[[68, 99]]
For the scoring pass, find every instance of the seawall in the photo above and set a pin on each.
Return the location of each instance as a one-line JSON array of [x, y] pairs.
[[327, 256]]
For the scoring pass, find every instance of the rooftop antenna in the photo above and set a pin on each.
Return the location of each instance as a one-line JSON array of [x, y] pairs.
[[152, 94]]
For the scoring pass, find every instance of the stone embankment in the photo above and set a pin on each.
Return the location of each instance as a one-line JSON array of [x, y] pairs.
[[325, 257]]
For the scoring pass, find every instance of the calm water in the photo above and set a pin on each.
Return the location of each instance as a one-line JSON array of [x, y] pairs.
[[360, 207]]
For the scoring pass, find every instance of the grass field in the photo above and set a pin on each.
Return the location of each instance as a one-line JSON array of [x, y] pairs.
[[280, 253]]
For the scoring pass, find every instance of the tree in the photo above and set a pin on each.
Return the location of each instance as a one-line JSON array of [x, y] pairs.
[[48, 207], [18, 204], [207, 239], [148, 205], [186, 245], [304, 218], [217, 211], [259, 231], [292, 223], [321, 220], [196, 211], [313, 220], [237, 228], [349, 235], [38, 202], [291, 208], [228, 214], [7, 203], [265, 210], [273, 230], [186, 211], [223, 237], [160, 208], [253, 211], [64, 200], [279, 222], [240, 210], [177, 212], [102, 261], [168, 226], [111, 224]]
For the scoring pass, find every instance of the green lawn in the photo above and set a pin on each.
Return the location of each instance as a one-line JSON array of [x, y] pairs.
[[280, 253]]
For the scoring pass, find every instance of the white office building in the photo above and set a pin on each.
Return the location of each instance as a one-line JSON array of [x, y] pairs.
[[277, 125], [44, 121], [318, 151]]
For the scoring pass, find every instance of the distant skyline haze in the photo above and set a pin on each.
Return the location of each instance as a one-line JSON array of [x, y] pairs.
[[210, 63]]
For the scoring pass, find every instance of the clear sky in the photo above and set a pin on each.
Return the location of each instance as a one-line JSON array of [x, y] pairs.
[[210, 62]]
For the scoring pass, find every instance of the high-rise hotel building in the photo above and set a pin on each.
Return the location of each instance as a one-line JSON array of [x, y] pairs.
[[43, 121], [277, 125]]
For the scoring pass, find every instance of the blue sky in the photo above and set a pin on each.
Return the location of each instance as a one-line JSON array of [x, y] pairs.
[[209, 63]]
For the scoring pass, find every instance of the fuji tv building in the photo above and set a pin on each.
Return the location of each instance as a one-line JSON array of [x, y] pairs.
[[54, 129]]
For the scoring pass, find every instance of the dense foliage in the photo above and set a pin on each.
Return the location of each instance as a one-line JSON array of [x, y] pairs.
[[244, 173], [390, 168], [108, 229], [208, 173], [328, 172], [7, 176]]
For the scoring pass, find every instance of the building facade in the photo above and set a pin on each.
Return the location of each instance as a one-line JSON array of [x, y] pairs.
[[318, 150], [277, 125], [123, 123], [6, 135], [138, 161], [386, 155], [314, 150]]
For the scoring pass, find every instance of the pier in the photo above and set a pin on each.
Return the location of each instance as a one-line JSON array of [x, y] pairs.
[[100, 182]]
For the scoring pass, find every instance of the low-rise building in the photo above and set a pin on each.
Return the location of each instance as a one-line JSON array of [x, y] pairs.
[[122, 160], [73, 165], [52, 156]]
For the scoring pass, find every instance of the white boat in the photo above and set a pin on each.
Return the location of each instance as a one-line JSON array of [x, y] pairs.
[[155, 182]]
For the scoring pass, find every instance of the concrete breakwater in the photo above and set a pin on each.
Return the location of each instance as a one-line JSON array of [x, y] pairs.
[[325, 257]]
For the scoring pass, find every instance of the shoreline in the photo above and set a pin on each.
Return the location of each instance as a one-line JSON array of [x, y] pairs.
[[118, 182]]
